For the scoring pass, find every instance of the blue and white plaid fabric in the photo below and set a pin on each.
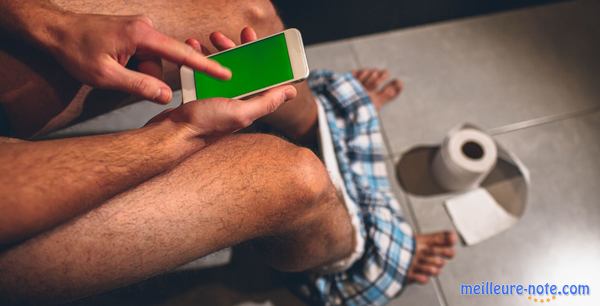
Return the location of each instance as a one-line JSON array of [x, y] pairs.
[[380, 274]]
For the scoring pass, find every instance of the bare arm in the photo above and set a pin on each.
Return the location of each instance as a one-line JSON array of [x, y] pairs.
[[95, 48], [29, 20], [44, 183]]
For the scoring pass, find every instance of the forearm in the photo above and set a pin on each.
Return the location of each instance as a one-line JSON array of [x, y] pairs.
[[45, 183], [35, 21]]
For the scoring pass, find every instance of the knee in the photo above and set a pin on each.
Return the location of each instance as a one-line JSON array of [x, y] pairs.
[[289, 183], [310, 179], [294, 178], [262, 15]]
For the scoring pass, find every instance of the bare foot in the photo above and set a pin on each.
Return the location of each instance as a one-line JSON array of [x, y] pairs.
[[431, 254], [372, 80]]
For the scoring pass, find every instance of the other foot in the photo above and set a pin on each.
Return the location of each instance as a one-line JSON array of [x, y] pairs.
[[431, 253], [372, 80]]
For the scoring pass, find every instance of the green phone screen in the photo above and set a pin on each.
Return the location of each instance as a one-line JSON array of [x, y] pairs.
[[253, 66]]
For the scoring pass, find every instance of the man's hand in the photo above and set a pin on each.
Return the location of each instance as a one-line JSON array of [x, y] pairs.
[[219, 116], [216, 117], [96, 48]]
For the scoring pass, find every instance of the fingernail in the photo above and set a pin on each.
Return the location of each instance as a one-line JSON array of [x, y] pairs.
[[158, 94], [226, 72], [166, 95], [196, 46], [163, 95]]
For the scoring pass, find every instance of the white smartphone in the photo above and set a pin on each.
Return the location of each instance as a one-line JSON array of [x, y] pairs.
[[256, 66]]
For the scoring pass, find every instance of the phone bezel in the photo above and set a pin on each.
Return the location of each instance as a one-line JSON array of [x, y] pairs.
[[296, 54]]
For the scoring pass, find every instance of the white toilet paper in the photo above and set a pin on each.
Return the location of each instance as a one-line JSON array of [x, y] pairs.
[[479, 213], [495, 207], [465, 158]]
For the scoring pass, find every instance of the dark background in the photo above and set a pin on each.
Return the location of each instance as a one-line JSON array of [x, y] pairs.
[[326, 20]]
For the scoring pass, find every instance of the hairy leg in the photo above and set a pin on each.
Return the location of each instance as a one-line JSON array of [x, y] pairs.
[[36, 77], [245, 187]]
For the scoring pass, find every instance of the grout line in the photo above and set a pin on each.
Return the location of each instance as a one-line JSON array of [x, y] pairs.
[[511, 128], [390, 156], [439, 292], [541, 121], [437, 286], [355, 54]]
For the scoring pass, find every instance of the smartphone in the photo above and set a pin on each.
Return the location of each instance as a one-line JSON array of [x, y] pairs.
[[256, 66]]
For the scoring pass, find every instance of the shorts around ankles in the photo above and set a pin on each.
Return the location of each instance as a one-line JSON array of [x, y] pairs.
[[378, 274]]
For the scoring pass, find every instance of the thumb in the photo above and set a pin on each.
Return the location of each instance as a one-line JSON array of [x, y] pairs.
[[139, 84], [265, 102], [160, 117]]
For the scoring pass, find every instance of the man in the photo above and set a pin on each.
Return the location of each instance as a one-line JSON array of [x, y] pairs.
[[83, 215]]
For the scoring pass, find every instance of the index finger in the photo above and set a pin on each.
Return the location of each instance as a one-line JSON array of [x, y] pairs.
[[180, 53]]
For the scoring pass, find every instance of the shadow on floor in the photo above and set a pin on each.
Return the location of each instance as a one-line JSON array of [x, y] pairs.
[[245, 281]]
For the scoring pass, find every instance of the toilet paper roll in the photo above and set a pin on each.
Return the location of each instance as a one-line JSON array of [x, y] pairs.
[[464, 159]]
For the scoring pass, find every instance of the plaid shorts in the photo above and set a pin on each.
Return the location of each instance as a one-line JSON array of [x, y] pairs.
[[379, 274]]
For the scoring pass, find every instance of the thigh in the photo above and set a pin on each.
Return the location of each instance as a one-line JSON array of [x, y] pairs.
[[240, 188], [38, 82], [189, 18], [182, 19]]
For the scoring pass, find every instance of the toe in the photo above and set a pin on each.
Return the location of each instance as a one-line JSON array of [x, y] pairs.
[[451, 237], [427, 270], [444, 238], [421, 279], [391, 90], [377, 78], [418, 277], [446, 252], [383, 76], [362, 74], [369, 80], [434, 261]]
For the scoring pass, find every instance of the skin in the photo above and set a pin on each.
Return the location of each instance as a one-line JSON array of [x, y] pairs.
[[96, 60], [133, 228], [36, 77], [116, 161], [373, 81], [218, 197], [28, 211], [294, 217]]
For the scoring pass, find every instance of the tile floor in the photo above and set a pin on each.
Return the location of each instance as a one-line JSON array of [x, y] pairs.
[[532, 77], [508, 73]]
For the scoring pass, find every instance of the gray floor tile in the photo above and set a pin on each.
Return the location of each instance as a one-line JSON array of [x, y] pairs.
[[558, 238], [423, 295], [129, 117], [337, 56], [491, 70]]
